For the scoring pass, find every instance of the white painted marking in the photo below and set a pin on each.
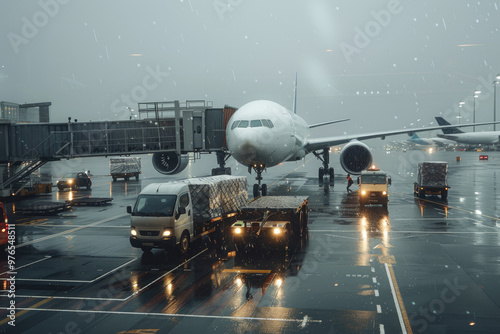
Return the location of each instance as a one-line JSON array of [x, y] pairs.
[[70, 231], [379, 309], [170, 315], [374, 279], [373, 270], [398, 309], [113, 299], [29, 264], [72, 281], [376, 293], [382, 329]]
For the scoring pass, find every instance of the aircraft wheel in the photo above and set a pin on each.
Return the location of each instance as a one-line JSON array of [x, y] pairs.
[[330, 171], [256, 192], [264, 190], [321, 172]]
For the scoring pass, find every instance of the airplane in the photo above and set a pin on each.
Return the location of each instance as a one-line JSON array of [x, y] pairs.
[[470, 138], [416, 139], [262, 134]]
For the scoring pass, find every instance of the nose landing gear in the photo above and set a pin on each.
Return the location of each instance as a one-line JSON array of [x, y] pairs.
[[258, 189]]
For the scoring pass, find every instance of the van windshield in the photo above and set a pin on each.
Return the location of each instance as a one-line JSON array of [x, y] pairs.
[[373, 179], [154, 205]]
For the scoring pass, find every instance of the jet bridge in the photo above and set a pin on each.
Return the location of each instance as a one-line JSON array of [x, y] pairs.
[[168, 130]]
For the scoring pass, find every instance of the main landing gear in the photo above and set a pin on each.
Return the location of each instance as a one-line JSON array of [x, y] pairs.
[[325, 173], [258, 189]]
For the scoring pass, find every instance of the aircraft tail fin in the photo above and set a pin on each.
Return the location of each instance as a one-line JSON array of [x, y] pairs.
[[442, 121]]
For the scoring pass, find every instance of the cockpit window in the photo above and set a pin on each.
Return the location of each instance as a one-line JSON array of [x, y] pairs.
[[271, 125], [243, 124], [255, 123], [235, 124]]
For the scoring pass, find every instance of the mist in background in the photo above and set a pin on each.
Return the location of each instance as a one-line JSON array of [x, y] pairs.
[[384, 64]]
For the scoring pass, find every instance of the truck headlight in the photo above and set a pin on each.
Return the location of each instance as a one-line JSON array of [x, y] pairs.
[[363, 192], [167, 233], [277, 231], [133, 231], [384, 193], [70, 181], [237, 230]]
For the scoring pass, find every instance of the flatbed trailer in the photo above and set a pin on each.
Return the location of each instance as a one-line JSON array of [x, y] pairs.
[[43, 208], [271, 223], [91, 201]]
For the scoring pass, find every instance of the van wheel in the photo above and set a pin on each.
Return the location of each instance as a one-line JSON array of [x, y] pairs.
[[184, 243]]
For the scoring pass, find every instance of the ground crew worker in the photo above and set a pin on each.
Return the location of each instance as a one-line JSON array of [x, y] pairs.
[[349, 182]]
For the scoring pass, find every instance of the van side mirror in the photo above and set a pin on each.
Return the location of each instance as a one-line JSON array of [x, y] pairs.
[[129, 209], [182, 210]]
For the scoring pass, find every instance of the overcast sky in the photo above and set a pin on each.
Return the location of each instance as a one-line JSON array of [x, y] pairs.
[[384, 64]]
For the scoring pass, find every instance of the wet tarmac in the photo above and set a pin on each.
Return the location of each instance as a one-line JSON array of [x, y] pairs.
[[422, 266]]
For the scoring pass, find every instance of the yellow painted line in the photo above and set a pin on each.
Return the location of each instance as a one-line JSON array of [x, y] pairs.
[[399, 298], [247, 271], [32, 308]]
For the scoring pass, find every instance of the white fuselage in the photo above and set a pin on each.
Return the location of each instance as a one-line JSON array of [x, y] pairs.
[[264, 134], [474, 138]]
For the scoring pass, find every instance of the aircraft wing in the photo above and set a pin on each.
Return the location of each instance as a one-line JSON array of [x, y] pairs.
[[314, 144], [330, 122]]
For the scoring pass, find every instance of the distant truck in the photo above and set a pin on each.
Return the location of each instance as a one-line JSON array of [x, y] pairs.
[[432, 179], [272, 223], [373, 185], [124, 168], [172, 215]]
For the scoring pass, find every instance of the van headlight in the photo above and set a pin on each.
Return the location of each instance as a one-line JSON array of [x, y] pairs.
[[277, 231], [167, 233], [133, 231]]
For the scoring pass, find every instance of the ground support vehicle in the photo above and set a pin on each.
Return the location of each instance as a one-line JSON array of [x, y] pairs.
[[74, 181], [125, 168], [271, 223], [373, 185], [432, 179], [172, 215]]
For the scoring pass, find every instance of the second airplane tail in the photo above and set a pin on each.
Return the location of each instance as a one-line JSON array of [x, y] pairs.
[[447, 131]]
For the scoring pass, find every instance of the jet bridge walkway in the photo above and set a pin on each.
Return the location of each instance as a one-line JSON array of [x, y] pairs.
[[193, 126]]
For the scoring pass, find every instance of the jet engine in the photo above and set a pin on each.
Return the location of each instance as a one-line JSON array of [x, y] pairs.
[[355, 157], [169, 162]]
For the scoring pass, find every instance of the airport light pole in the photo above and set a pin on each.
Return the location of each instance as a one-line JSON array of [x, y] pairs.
[[476, 94], [460, 105], [495, 101]]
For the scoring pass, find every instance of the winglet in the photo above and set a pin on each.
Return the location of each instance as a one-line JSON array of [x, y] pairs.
[[295, 95]]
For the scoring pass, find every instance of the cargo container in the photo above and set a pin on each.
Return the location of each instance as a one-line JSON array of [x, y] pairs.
[[124, 168]]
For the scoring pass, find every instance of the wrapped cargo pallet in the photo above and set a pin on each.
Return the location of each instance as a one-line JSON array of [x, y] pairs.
[[217, 195], [432, 173]]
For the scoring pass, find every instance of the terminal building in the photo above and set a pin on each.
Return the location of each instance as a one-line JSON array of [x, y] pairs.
[[25, 113]]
